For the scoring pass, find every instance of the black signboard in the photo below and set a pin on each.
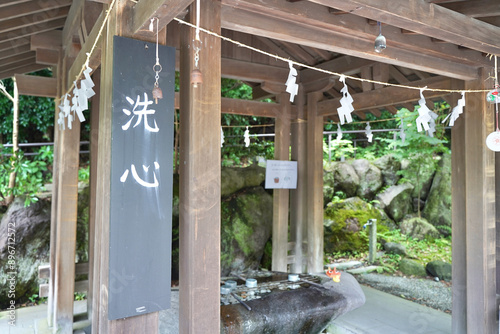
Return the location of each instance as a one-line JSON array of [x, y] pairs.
[[141, 180]]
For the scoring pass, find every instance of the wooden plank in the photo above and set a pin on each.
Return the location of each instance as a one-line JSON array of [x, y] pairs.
[[32, 30], [356, 28], [21, 69], [47, 57], [380, 73], [199, 189], [387, 96], [237, 19], [31, 22], [314, 185], [298, 196], [25, 9], [166, 10], [480, 235], [72, 21], [14, 44], [13, 52], [427, 19], [247, 71], [482, 8], [36, 86], [281, 197], [366, 73], [18, 60]]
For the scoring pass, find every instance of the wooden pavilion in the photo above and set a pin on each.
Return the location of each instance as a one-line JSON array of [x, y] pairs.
[[435, 43]]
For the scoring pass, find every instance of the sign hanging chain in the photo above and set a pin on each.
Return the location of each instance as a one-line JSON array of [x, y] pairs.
[[157, 92]]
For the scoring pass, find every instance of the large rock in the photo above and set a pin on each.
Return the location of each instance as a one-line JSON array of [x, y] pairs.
[[439, 269], [328, 182], [346, 179], [343, 222], [418, 228], [370, 178], [245, 228], [235, 179], [419, 172], [412, 268], [438, 205], [30, 244], [396, 200], [395, 248], [389, 166]]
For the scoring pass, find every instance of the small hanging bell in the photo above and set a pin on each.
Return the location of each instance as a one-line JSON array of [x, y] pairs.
[[157, 93], [196, 78]]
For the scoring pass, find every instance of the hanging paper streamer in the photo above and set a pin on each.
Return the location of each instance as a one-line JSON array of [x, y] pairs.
[[88, 83], [424, 113], [247, 137], [339, 132], [221, 137], [432, 123], [402, 133], [346, 108], [78, 103], [64, 112], [457, 110], [291, 86], [368, 132]]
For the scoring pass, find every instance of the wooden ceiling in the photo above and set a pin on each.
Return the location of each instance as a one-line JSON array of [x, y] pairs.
[[429, 42]]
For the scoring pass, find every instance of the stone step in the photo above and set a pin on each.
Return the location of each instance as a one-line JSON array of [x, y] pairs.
[[363, 270], [344, 265]]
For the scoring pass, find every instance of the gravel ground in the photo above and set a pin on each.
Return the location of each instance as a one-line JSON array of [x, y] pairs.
[[424, 291]]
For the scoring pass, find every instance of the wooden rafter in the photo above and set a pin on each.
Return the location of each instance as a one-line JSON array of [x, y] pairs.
[[166, 10], [36, 86], [26, 9], [427, 19], [235, 18], [482, 8]]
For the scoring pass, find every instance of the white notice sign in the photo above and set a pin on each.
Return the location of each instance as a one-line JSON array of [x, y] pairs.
[[281, 174]]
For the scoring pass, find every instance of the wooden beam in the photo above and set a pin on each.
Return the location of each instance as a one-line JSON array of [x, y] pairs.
[[36, 86], [482, 8], [314, 185], [281, 197], [47, 57], [31, 22], [387, 96], [199, 197], [288, 30], [247, 71], [14, 44], [26, 68], [25, 9], [13, 52], [72, 21], [356, 28], [14, 61], [165, 10], [31, 30], [427, 19]]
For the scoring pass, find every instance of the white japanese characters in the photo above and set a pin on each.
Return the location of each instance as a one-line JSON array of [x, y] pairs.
[[140, 109]]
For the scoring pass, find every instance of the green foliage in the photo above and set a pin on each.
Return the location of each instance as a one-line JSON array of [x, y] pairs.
[[80, 296], [31, 175], [338, 148], [84, 173], [36, 115]]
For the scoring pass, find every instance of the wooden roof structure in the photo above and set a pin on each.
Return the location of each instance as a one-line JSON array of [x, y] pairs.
[[435, 43]]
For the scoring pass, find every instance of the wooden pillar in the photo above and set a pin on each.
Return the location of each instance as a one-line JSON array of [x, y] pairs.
[[199, 189], [58, 73], [281, 197], [458, 217], [298, 197], [474, 172], [314, 184], [94, 137]]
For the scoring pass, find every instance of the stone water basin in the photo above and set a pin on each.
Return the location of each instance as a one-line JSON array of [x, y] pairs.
[[277, 305]]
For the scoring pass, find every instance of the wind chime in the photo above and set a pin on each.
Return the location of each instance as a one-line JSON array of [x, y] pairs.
[[196, 76], [157, 93]]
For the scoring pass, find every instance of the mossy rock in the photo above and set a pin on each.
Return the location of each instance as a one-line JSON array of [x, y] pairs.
[[419, 172], [412, 268], [343, 225], [246, 225], [234, 179], [419, 228]]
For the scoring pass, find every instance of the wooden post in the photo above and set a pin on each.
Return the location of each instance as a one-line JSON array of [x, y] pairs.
[[281, 197], [199, 189], [314, 184], [94, 137], [298, 197], [474, 173], [58, 73]]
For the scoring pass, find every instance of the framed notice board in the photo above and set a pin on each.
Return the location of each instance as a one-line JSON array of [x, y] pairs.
[[141, 180]]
